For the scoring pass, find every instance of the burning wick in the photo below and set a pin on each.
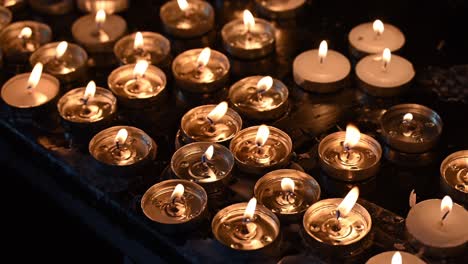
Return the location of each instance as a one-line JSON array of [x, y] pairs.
[[287, 196], [249, 23], [261, 138], [378, 27], [34, 77], [346, 205], [89, 92], [247, 230], [407, 125], [60, 50], [203, 60], [121, 137], [263, 85], [445, 208], [140, 69], [217, 113], [322, 52], [348, 156], [386, 57], [207, 155], [138, 43], [396, 258], [25, 35], [100, 19], [176, 207], [183, 5]]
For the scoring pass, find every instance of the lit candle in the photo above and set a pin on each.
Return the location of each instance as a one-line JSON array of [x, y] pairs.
[[110, 6], [280, 8], [438, 226], [385, 74], [201, 70], [14, 5], [248, 38], [259, 97], [5, 17], [148, 46], [98, 32], [321, 70], [371, 38], [411, 128], [454, 176], [245, 226], [350, 155], [395, 257], [187, 19]]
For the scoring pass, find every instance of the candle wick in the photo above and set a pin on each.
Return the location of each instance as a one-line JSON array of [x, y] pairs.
[[210, 121], [338, 214], [117, 145], [204, 160], [444, 216], [321, 60], [385, 64]]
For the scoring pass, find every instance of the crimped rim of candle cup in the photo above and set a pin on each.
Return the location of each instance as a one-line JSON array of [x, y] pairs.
[[408, 146], [49, 51], [51, 78], [250, 53], [52, 8], [387, 28], [457, 194], [6, 13], [154, 38], [278, 14], [239, 209], [202, 28], [80, 90], [92, 6], [387, 256], [268, 179], [45, 32], [361, 210]]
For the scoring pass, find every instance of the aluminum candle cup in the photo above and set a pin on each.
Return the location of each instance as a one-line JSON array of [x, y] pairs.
[[207, 164], [248, 38], [287, 193], [187, 19], [201, 70], [454, 176], [66, 61], [411, 128], [175, 205], [260, 149], [56, 7], [259, 97], [280, 9], [148, 46], [245, 228], [387, 257], [5, 17], [110, 6]]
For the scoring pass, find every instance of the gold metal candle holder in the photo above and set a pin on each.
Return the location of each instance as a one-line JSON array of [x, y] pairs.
[[55, 7], [149, 46], [259, 98], [110, 6], [454, 176], [411, 128], [257, 151], [5, 17], [280, 9], [175, 205], [187, 19], [207, 164], [67, 62], [287, 193]]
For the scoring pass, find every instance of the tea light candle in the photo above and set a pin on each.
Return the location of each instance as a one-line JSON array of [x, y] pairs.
[[137, 85], [321, 70], [5, 17], [259, 97], [148, 46], [337, 223], [201, 70], [280, 8], [395, 257], [371, 38], [30, 90], [14, 5], [411, 128], [384, 75], [454, 176], [207, 164], [245, 226], [98, 33], [64, 60], [122, 146], [287, 193], [260, 149], [56, 7], [210, 123], [350, 155], [110, 6], [248, 38], [438, 226], [175, 205]]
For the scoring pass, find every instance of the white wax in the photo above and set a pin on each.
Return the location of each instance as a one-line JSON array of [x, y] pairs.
[[424, 224], [386, 258], [85, 29], [15, 92], [364, 39], [307, 67], [370, 70]]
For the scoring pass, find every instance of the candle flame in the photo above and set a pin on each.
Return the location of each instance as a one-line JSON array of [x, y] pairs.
[[408, 117], [250, 209], [348, 202], [183, 4], [178, 191], [140, 68], [323, 50], [287, 185], [352, 136], [218, 112], [262, 135], [61, 49], [396, 258], [378, 27], [90, 90], [204, 57], [446, 206], [249, 20], [100, 16], [386, 56], [121, 136], [412, 199], [209, 152], [35, 76], [26, 32], [138, 42], [264, 84]]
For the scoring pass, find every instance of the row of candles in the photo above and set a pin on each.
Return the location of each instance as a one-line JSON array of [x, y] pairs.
[[205, 165]]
